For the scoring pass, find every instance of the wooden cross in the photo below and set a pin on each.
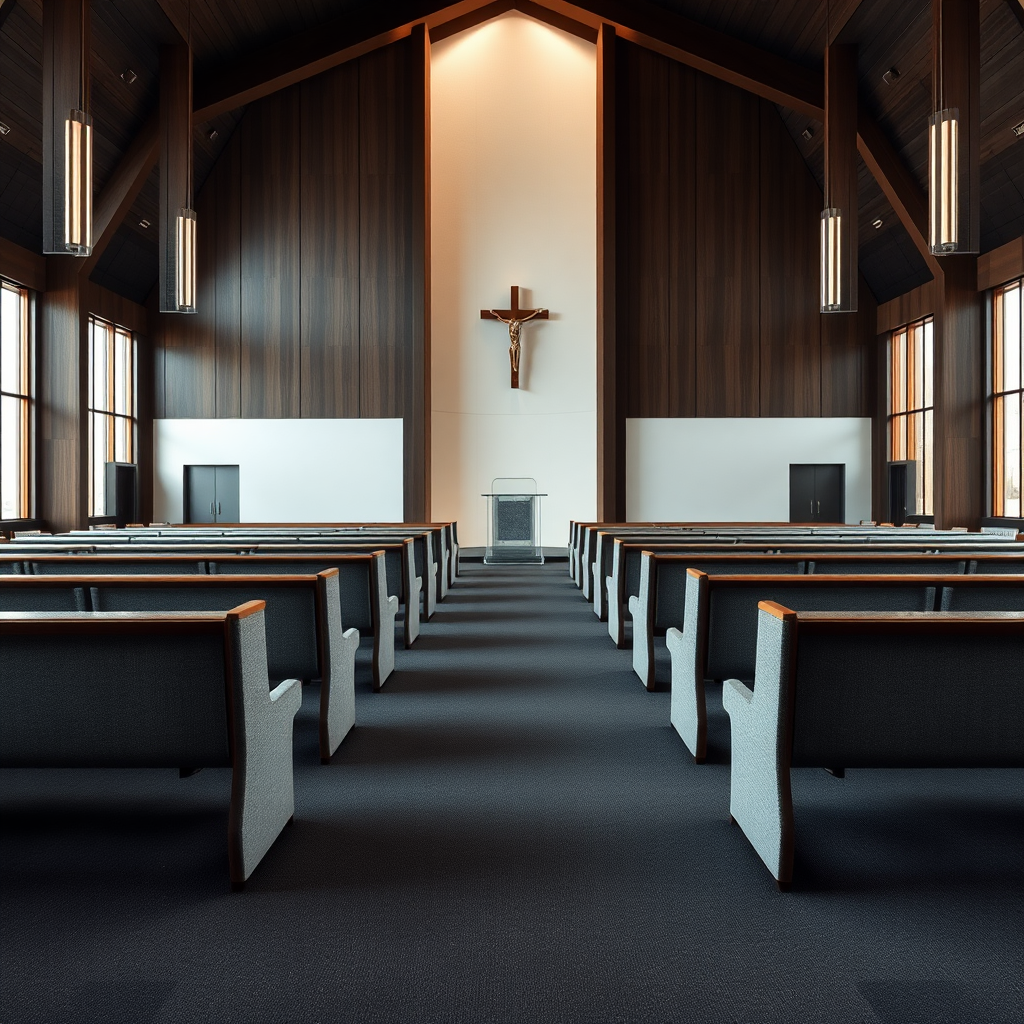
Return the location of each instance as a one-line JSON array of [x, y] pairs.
[[515, 318]]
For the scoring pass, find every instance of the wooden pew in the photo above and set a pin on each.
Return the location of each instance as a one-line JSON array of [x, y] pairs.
[[365, 603], [665, 580], [718, 638], [400, 558], [167, 690], [866, 690], [305, 638]]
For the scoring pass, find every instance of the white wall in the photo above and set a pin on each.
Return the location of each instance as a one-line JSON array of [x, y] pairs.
[[513, 178], [289, 470], [737, 470]]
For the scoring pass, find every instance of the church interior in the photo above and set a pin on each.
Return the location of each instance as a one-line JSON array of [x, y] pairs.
[[542, 476]]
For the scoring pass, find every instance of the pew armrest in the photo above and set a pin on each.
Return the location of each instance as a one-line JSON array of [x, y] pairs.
[[262, 791], [760, 799], [689, 713]]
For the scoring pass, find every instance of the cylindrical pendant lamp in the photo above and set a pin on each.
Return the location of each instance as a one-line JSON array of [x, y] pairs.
[[78, 183]]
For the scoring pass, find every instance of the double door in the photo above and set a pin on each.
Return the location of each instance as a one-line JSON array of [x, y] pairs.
[[817, 493], [211, 494]]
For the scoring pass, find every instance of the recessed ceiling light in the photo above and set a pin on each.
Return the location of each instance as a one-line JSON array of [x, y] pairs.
[[212, 134], [1017, 129], [877, 223], [128, 76], [143, 223], [808, 133], [5, 129]]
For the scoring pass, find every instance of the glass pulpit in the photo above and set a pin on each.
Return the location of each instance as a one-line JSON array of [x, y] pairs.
[[513, 522]]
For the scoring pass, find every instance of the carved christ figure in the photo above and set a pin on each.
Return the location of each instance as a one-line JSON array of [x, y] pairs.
[[515, 327], [514, 318]]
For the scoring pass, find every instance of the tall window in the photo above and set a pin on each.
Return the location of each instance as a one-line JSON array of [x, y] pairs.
[[15, 403], [911, 406], [1007, 399], [111, 404]]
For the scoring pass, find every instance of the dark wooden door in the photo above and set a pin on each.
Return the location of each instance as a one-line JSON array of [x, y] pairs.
[[817, 493], [801, 494], [830, 493], [200, 494]]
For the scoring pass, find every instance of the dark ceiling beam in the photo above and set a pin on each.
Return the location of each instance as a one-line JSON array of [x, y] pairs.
[[839, 20], [898, 184], [176, 16], [6, 6], [765, 74], [715, 53], [1017, 7], [121, 191], [317, 50]]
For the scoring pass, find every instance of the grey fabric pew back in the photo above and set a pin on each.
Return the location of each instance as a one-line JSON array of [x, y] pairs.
[[365, 603], [661, 599], [848, 690], [362, 588], [154, 691], [304, 632], [718, 639]]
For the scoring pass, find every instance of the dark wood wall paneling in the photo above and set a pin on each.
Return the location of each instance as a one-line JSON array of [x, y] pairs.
[[717, 257], [313, 261]]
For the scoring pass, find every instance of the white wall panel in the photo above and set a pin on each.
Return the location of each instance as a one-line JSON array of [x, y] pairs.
[[290, 471], [513, 178], [737, 470]]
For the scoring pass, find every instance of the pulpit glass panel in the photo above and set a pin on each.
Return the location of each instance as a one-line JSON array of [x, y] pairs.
[[513, 522]]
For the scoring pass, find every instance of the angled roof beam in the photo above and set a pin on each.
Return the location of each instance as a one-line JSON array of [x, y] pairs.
[[316, 50], [765, 74], [122, 190], [1017, 7]]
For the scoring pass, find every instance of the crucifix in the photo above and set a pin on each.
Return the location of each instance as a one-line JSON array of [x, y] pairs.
[[515, 318]]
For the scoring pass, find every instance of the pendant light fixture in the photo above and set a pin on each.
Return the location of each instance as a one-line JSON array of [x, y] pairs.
[[178, 271], [67, 130], [185, 235], [838, 227], [943, 160], [78, 163]]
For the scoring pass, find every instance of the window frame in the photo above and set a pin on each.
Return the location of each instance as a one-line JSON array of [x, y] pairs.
[[26, 397], [128, 419], [907, 373], [997, 399]]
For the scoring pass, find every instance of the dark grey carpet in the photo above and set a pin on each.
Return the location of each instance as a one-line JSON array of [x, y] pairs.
[[513, 833]]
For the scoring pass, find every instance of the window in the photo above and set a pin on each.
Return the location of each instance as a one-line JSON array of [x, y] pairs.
[[15, 403], [911, 406], [111, 404], [1007, 398]]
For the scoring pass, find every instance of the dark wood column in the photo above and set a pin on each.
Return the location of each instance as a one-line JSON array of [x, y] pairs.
[[841, 158], [62, 491], [959, 357], [417, 403], [611, 422], [959, 396]]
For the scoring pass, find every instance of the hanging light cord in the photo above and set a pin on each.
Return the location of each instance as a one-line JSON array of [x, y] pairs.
[[828, 40], [188, 178], [82, 84]]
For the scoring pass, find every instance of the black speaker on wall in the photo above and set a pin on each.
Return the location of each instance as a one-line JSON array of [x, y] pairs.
[[120, 487]]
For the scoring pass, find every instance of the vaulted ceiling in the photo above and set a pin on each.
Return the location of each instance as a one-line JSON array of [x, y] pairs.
[[127, 34]]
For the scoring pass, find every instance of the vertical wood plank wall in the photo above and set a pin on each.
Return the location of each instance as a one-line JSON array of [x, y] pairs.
[[312, 250], [717, 257]]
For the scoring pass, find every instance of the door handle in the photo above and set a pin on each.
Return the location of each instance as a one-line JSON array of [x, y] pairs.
[[819, 508], [218, 508], [211, 509], [812, 506]]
